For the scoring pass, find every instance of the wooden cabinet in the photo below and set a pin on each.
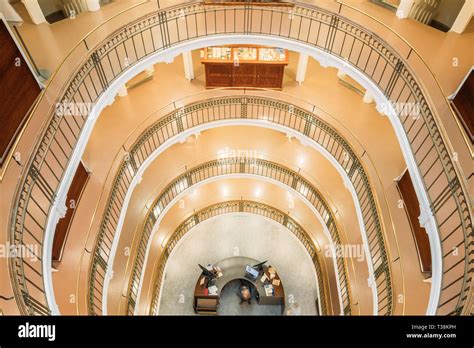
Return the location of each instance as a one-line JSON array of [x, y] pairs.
[[270, 76], [244, 75], [231, 68], [219, 75]]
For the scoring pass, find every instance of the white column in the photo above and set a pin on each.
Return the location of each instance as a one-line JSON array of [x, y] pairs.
[[341, 74], [93, 5], [464, 17], [34, 10], [301, 70], [188, 65], [404, 8], [150, 70], [368, 97], [122, 91], [9, 12]]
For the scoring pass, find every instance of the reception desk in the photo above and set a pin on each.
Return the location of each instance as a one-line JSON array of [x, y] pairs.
[[233, 268]]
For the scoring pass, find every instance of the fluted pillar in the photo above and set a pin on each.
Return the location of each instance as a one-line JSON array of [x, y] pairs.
[[34, 10]]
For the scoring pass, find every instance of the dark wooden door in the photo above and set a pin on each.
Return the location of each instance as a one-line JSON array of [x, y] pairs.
[[18, 90], [464, 104]]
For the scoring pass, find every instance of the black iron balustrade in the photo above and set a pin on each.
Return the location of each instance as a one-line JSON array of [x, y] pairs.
[[226, 166], [318, 28], [240, 206]]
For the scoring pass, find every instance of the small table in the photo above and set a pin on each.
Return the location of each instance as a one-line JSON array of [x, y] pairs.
[[234, 268]]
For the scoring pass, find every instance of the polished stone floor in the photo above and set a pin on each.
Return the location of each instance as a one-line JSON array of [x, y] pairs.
[[247, 235]]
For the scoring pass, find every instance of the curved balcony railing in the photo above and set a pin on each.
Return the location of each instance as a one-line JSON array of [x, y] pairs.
[[240, 206], [99, 59], [238, 107], [229, 166]]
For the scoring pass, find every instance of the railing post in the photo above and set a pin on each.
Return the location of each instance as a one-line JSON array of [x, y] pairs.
[[294, 182], [393, 78], [331, 33], [189, 179], [179, 121], [100, 70], [164, 30], [243, 109]]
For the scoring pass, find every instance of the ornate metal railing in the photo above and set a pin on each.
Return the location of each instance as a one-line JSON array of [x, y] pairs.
[[240, 206], [228, 166], [241, 107], [100, 64]]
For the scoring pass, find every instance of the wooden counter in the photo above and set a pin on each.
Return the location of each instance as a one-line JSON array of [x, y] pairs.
[[234, 268]]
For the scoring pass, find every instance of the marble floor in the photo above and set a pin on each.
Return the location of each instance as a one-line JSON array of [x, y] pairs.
[[246, 235]]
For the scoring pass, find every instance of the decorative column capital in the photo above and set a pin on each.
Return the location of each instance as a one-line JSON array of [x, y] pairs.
[[34, 10], [93, 5], [60, 206], [425, 216], [404, 8]]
